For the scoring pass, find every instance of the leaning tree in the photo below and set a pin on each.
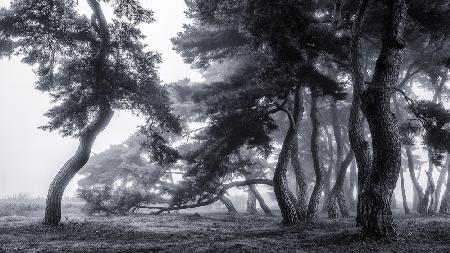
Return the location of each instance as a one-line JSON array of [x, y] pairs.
[[90, 67]]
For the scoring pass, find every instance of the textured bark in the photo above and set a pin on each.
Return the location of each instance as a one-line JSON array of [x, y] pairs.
[[356, 129], [251, 202], [88, 135], [329, 170], [318, 187], [336, 197], [285, 198], [261, 201], [445, 202], [228, 204], [405, 201], [73, 165], [375, 199], [299, 172]]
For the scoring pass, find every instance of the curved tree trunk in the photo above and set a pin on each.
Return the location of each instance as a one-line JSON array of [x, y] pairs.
[[261, 201], [285, 198], [440, 182], [405, 201], [445, 202], [228, 204], [375, 204], [318, 187], [87, 137], [251, 202], [336, 197], [73, 165], [300, 177], [418, 189], [427, 203], [329, 171], [356, 128]]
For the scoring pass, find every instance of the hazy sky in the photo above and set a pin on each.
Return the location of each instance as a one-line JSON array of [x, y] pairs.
[[29, 157]]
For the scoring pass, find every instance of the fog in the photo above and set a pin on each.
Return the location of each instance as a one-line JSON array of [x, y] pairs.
[[30, 157]]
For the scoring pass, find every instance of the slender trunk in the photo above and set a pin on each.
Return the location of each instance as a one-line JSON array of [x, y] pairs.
[[228, 204], [353, 182], [87, 137], [251, 202], [329, 171], [336, 197], [440, 182], [261, 201], [427, 204], [73, 165], [375, 199], [318, 187], [356, 128], [418, 189], [300, 177], [445, 203], [405, 201]]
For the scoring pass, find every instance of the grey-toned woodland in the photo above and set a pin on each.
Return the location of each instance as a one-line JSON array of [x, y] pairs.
[[315, 126]]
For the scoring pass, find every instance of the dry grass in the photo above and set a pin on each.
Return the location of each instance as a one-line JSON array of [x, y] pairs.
[[214, 233]]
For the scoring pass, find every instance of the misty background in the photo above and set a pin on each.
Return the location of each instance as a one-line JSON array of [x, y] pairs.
[[30, 157]]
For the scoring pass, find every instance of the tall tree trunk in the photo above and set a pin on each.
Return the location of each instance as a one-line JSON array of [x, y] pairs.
[[87, 137], [440, 182], [318, 187], [353, 182], [285, 198], [261, 201], [405, 201], [299, 172], [427, 203], [418, 189], [356, 121], [228, 204], [329, 170], [336, 195], [73, 165], [376, 106], [445, 202], [251, 202]]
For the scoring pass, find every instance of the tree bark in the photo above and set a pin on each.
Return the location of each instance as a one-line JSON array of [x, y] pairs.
[[73, 165], [299, 172], [318, 187], [427, 203], [375, 199], [356, 128], [251, 202], [445, 202], [228, 204], [329, 171], [405, 201]]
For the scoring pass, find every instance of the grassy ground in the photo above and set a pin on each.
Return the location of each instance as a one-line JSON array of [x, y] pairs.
[[217, 232]]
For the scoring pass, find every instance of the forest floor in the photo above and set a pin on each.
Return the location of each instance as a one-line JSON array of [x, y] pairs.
[[214, 232]]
